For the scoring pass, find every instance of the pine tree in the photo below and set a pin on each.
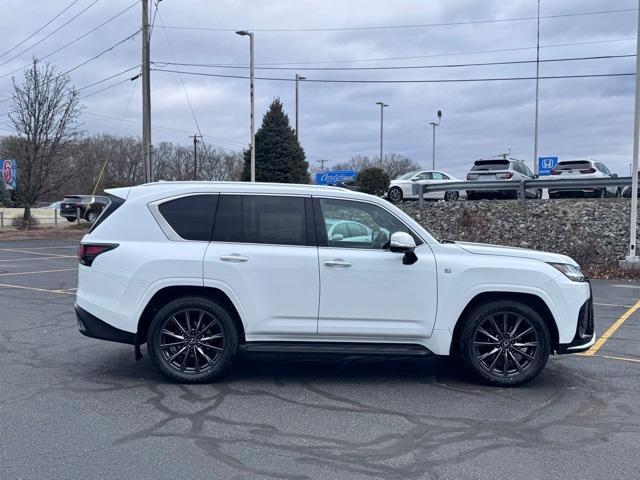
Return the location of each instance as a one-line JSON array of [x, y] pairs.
[[279, 156]]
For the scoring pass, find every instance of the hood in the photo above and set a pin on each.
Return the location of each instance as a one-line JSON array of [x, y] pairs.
[[486, 249]]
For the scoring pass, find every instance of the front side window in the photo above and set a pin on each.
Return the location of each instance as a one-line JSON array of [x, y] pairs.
[[190, 217], [423, 176], [439, 176], [351, 224], [262, 219]]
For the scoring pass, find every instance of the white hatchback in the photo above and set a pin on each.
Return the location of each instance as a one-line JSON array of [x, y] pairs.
[[199, 271]]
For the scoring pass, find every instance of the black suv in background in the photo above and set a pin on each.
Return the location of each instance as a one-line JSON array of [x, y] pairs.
[[89, 206]]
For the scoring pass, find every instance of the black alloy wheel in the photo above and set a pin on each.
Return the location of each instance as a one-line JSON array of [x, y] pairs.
[[192, 340], [505, 343]]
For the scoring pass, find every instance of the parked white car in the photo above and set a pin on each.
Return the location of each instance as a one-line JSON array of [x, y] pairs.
[[202, 270], [402, 187], [583, 169]]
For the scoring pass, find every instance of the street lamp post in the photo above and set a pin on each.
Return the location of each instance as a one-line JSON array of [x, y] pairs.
[[382, 105], [433, 143], [252, 97], [298, 78]]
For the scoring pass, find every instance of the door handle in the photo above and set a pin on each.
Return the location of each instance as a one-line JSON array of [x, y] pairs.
[[234, 258], [337, 263]]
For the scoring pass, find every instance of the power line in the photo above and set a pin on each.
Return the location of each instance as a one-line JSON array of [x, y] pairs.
[[447, 80], [77, 39], [39, 29], [89, 60], [50, 34], [399, 67], [184, 88], [169, 129], [108, 78], [390, 27]]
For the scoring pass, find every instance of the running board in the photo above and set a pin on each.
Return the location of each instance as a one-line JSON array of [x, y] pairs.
[[338, 348]]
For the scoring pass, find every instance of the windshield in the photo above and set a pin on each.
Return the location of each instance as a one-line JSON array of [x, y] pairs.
[[407, 176]]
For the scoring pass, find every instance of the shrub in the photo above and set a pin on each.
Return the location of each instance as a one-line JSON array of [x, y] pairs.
[[20, 224], [373, 180]]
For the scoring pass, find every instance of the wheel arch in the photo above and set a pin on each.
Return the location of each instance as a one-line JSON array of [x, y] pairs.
[[169, 293], [534, 301]]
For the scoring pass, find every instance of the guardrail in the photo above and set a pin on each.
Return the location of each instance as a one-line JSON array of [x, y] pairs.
[[521, 185]]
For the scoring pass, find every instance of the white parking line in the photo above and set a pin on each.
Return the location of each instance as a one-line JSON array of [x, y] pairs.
[[29, 251], [36, 258], [62, 292], [612, 305], [40, 271], [627, 286]]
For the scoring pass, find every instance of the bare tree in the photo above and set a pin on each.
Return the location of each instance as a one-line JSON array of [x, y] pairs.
[[44, 113], [394, 164]]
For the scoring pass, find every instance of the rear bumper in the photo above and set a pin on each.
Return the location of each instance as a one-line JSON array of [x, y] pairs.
[[91, 326]]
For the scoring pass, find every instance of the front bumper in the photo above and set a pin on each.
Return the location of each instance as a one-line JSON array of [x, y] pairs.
[[91, 326], [585, 335]]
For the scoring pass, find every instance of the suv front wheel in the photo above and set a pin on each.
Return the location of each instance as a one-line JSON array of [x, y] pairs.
[[192, 340], [504, 343]]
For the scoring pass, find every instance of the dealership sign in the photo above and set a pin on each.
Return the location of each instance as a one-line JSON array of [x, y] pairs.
[[335, 176], [9, 173], [546, 164]]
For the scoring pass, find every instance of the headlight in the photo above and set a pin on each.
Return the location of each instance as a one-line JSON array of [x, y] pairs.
[[570, 271]]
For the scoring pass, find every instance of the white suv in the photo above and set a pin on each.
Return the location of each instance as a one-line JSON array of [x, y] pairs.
[[201, 270]]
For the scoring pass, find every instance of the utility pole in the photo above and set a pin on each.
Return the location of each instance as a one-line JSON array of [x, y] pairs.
[[298, 78], [244, 33], [146, 94], [382, 105], [433, 143], [322, 162], [195, 137], [535, 133], [633, 256]]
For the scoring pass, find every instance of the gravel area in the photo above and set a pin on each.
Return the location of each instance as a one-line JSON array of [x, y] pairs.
[[593, 232]]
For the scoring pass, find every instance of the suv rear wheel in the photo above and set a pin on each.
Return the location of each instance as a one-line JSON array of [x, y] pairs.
[[192, 340], [504, 343]]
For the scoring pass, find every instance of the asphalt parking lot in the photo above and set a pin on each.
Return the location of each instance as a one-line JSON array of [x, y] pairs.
[[74, 407]]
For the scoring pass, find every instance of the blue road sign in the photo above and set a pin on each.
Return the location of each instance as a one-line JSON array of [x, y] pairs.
[[546, 164], [331, 178]]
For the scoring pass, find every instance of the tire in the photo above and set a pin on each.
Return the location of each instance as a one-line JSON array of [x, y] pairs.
[[395, 194], [618, 193], [523, 324], [539, 194], [91, 216], [471, 195], [70, 219], [195, 364], [451, 196]]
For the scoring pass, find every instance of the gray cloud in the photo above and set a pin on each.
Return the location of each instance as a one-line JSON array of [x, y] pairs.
[[578, 117]]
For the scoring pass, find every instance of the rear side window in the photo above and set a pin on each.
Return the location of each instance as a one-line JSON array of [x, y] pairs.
[[263, 219], [191, 217], [113, 203]]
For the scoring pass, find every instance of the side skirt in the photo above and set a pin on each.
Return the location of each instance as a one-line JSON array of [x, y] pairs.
[[338, 348]]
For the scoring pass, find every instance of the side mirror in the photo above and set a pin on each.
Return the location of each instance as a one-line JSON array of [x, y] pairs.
[[337, 237], [536, 176], [402, 242], [614, 175]]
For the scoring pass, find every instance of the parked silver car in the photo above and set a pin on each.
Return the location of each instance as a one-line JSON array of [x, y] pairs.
[[583, 169], [507, 169]]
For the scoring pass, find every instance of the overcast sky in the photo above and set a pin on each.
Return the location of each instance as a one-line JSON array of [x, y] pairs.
[[579, 118]]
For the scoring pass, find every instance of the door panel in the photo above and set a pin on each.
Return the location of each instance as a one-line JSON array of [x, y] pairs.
[[277, 284], [375, 295]]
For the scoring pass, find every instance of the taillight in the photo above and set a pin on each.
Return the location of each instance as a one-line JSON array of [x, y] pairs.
[[555, 172], [87, 253], [505, 176], [472, 176], [588, 170]]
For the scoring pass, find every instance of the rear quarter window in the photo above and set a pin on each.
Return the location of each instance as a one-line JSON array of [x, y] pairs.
[[191, 217]]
